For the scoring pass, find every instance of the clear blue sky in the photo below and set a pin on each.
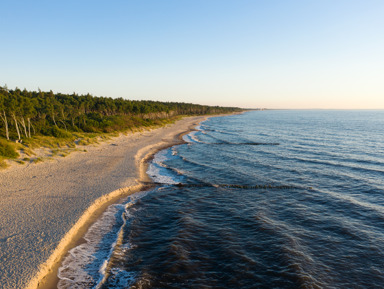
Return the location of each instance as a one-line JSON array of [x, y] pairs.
[[248, 53]]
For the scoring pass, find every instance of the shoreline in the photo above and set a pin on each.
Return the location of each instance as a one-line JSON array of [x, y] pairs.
[[47, 276]]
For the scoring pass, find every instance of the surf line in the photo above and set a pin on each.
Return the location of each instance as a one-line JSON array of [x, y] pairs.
[[240, 143], [248, 143], [229, 186], [46, 275]]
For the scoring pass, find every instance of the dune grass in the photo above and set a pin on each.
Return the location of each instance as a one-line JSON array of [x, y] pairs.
[[3, 164], [8, 149], [65, 142]]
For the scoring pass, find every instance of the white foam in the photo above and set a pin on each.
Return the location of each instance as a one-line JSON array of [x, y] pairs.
[[191, 138], [83, 266], [121, 279], [201, 129], [158, 171], [187, 138], [86, 265]]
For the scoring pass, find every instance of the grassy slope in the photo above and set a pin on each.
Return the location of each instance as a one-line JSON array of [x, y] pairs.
[[63, 144]]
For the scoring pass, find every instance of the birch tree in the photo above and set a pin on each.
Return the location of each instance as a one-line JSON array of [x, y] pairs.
[[3, 115]]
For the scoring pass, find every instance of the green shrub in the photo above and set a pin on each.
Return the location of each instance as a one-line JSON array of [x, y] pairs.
[[7, 150], [60, 133]]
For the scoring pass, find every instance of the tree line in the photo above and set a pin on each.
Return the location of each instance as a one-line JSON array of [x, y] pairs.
[[26, 113]]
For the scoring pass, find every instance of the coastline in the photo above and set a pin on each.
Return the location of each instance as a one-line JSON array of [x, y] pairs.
[[49, 206], [47, 277]]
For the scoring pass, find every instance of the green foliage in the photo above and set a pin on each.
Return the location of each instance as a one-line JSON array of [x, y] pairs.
[[7, 150], [24, 114], [46, 119], [60, 133]]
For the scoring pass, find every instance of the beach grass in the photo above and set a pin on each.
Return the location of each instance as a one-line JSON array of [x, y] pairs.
[[3, 164], [64, 142], [37, 160], [8, 149]]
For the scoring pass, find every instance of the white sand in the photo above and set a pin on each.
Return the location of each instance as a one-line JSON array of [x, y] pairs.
[[40, 203]]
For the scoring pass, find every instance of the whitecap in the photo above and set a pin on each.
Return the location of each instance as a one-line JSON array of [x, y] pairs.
[[159, 172]]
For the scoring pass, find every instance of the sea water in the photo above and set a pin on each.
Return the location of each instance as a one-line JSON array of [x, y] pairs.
[[265, 199]]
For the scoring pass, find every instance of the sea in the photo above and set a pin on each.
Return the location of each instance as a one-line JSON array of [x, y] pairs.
[[263, 199]]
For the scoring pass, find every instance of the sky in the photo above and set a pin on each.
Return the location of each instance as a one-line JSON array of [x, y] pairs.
[[245, 53]]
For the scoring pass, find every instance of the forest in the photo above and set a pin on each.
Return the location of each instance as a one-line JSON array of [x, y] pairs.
[[25, 114]]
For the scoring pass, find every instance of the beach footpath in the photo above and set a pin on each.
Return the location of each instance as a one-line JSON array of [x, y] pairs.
[[45, 208]]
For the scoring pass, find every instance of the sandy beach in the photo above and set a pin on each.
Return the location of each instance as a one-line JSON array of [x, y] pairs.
[[47, 207]]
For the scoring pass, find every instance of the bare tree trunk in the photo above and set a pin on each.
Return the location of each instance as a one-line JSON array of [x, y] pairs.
[[29, 126], [34, 131], [64, 124], [4, 118], [22, 122], [53, 118], [17, 127], [54, 121]]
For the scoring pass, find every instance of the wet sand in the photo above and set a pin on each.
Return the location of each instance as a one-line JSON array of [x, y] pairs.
[[46, 208]]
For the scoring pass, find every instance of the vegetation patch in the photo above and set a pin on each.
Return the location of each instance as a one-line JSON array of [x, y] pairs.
[[24, 114], [27, 151], [3, 164], [37, 160], [35, 119], [60, 133], [7, 150]]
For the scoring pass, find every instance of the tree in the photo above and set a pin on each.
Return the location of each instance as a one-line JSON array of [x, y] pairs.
[[3, 115], [39, 112], [13, 105]]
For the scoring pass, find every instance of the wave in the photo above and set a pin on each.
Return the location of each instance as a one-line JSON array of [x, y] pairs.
[[203, 184], [161, 173], [246, 143], [274, 230], [191, 138], [86, 266]]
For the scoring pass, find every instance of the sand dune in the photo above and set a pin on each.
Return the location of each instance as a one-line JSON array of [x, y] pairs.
[[46, 207]]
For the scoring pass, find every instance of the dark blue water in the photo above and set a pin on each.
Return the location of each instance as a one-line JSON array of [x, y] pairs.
[[267, 199]]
